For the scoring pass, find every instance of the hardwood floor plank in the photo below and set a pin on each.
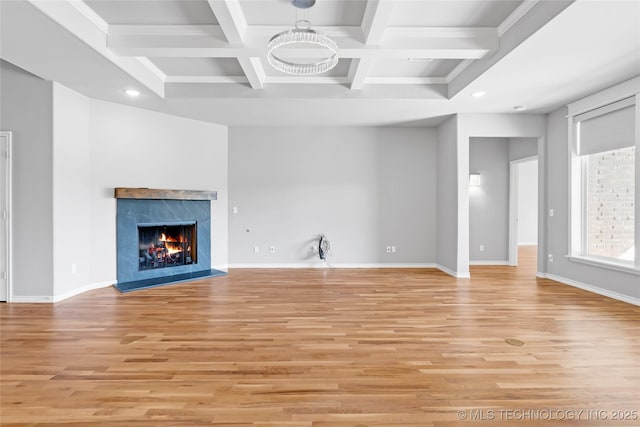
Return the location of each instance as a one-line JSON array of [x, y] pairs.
[[381, 347]]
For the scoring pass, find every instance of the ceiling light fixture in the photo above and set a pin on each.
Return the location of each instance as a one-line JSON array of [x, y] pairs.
[[301, 37], [420, 59], [479, 94], [132, 93], [520, 107]]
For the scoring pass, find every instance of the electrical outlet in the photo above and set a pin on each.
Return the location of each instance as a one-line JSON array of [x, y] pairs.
[[550, 258], [481, 248], [388, 249], [272, 249], [235, 209], [256, 249], [550, 212], [393, 249]]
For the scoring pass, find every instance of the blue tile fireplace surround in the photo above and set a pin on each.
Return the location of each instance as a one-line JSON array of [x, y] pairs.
[[163, 236]]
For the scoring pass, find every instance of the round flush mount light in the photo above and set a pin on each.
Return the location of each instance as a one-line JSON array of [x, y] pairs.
[[520, 107], [132, 93], [478, 94]]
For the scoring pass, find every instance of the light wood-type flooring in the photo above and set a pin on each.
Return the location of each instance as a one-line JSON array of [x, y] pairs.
[[383, 347]]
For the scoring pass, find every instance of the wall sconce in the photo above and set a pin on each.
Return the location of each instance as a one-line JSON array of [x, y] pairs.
[[474, 179]]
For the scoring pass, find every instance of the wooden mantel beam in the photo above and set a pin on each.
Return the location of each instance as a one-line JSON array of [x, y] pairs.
[[156, 194]]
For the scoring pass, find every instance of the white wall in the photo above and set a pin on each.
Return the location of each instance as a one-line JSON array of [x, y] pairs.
[[132, 147], [528, 202], [26, 109], [489, 202], [447, 197], [557, 233], [71, 192], [364, 188]]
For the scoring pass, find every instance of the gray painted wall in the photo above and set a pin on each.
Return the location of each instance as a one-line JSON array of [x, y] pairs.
[[489, 202], [521, 148], [447, 195], [558, 225], [364, 188], [26, 110]]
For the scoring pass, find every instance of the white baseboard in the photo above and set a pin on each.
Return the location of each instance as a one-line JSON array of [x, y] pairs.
[[31, 299], [345, 265], [221, 267], [596, 290], [58, 298], [456, 274], [78, 291], [489, 262]]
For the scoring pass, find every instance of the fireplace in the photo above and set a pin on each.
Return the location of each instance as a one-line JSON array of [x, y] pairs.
[[163, 236], [167, 245]]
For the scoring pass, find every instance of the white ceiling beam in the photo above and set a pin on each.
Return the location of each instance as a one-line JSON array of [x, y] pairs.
[[254, 71], [231, 19], [208, 41], [358, 71], [234, 26], [322, 89], [375, 19], [406, 80], [374, 23], [83, 23], [207, 79], [315, 80]]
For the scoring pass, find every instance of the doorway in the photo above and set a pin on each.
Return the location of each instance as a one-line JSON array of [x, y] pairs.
[[523, 208], [5, 215]]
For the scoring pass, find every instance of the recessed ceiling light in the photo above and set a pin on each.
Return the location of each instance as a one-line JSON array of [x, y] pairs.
[[520, 107], [479, 94], [132, 93], [420, 59]]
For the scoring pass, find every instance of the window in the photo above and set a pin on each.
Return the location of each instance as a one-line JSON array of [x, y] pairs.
[[604, 218], [609, 182]]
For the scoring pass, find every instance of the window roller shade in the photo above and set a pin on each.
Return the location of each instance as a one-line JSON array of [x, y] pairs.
[[610, 129]]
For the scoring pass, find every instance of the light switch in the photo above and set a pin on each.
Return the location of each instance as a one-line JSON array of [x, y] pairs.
[[550, 212]]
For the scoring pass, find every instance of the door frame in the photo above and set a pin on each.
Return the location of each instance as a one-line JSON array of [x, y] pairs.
[[6, 154], [513, 207]]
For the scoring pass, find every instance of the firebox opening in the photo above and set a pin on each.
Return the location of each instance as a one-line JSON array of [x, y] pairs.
[[166, 245]]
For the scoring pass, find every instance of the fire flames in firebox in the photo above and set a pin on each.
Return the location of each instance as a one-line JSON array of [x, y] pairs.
[[166, 246], [173, 245]]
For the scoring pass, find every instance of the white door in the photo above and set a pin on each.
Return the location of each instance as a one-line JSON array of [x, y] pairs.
[[5, 205], [523, 205]]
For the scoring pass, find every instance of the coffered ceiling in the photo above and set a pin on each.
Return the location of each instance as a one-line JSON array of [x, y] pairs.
[[401, 61]]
